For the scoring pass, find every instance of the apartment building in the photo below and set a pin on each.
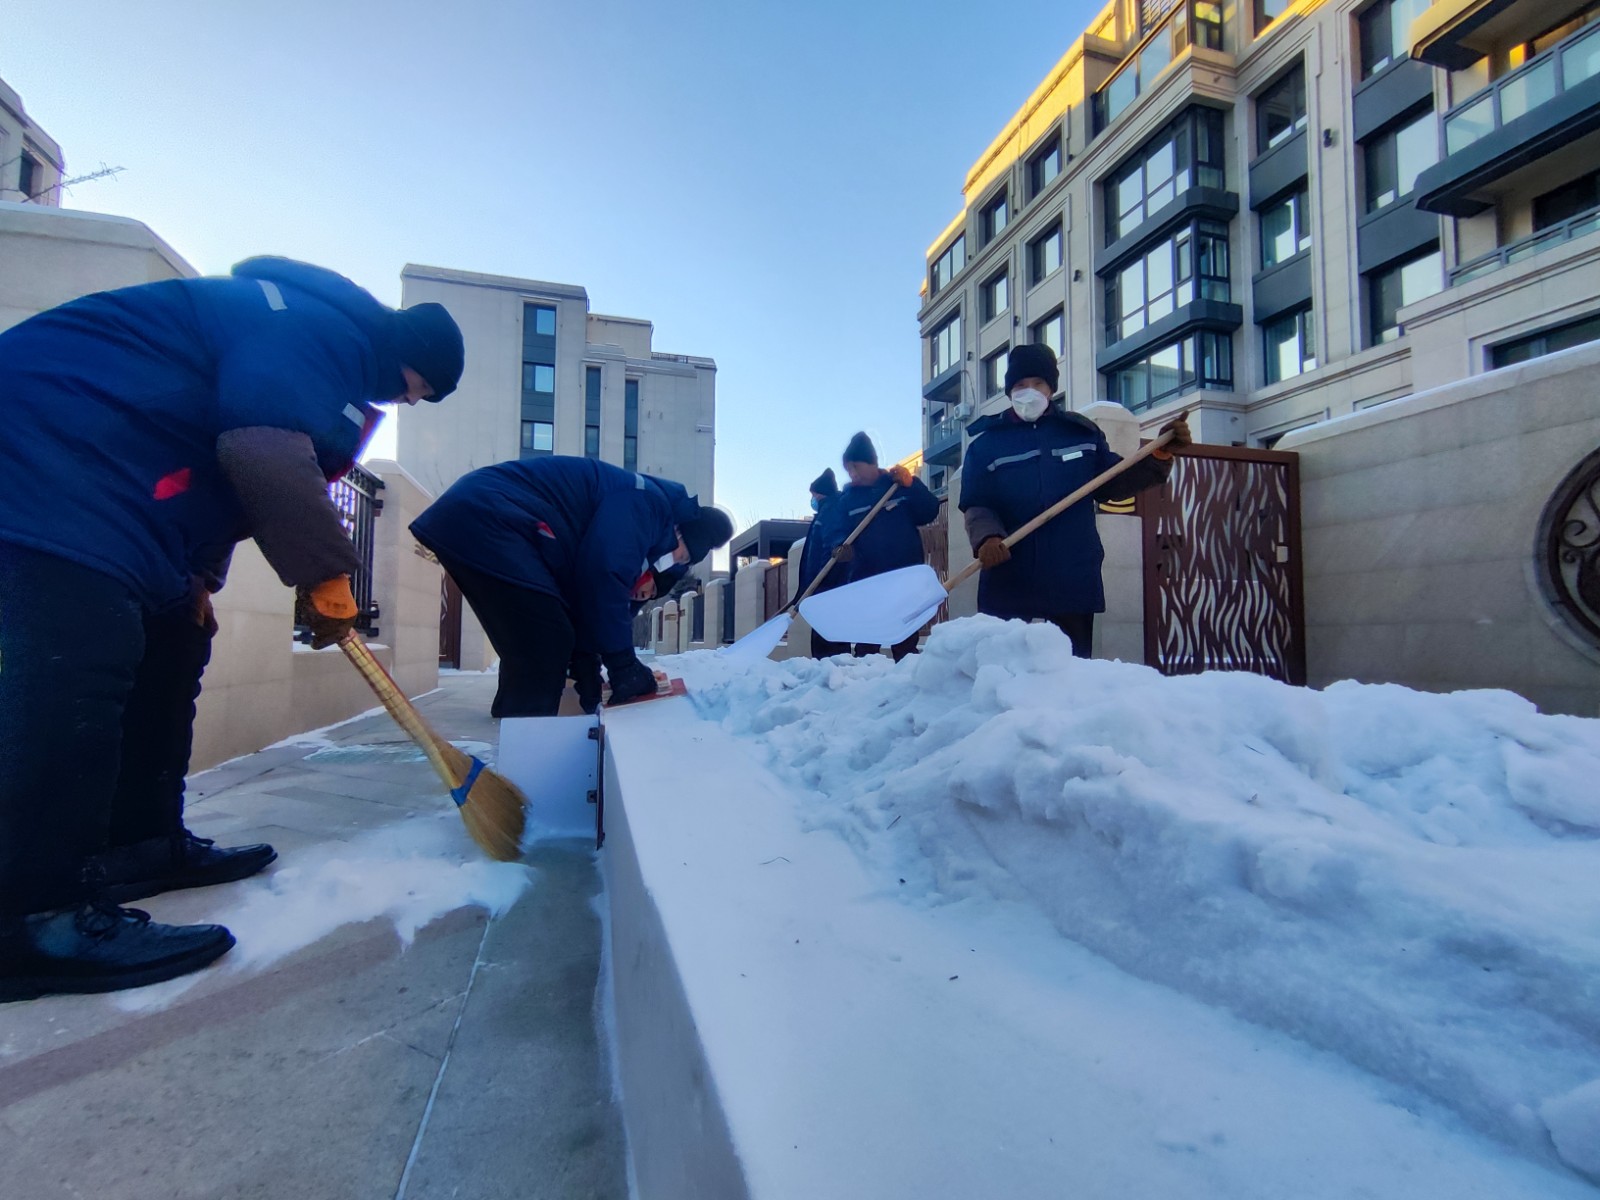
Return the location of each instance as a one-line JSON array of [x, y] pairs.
[[544, 375], [1274, 213], [31, 165]]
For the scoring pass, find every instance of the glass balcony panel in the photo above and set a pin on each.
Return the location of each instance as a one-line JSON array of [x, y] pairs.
[[1527, 89], [1467, 125]]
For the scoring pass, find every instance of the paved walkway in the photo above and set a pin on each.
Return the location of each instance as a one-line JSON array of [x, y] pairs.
[[464, 1066]]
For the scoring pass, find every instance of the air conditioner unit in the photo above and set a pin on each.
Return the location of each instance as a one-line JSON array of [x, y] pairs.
[[963, 410]]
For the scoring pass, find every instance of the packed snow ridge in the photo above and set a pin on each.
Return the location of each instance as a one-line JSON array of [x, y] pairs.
[[1408, 880]]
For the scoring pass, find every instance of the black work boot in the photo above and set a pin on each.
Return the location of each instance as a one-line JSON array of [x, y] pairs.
[[99, 947], [166, 864]]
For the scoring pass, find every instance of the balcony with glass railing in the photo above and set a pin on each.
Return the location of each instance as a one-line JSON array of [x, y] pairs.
[[1525, 248], [1172, 27], [944, 441], [1538, 110]]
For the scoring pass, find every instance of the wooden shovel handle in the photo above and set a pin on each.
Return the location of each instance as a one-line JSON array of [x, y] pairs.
[[1061, 506], [854, 533]]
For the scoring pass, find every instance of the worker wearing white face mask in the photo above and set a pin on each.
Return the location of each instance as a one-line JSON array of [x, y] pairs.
[[1018, 464]]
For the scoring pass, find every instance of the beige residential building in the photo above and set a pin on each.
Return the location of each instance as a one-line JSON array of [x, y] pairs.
[[544, 375], [31, 165], [1274, 213]]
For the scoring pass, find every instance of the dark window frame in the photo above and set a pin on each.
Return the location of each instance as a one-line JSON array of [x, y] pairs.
[[530, 437], [1566, 201], [1037, 183], [1036, 331], [988, 309], [1205, 363], [1197, 131], [1038, 271], [998, 205], [1298, 202], [1305, 337], [945, 268], [1376, 39], [937, 337], [1264, 16], [1291, 86], [1537, 345], [994, 371], [1192, 272], [1382, 160], [1375, 282]]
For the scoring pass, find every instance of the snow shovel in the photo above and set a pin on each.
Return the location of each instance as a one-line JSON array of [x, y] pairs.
[[762, 640], [886, 609]]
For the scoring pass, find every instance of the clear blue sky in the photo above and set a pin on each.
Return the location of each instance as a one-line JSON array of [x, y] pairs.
[[760, 180]]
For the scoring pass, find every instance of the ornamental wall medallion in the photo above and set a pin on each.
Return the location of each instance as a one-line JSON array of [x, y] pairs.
[[1568, 552]]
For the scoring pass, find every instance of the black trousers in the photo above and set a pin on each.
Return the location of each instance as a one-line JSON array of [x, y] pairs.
[[822, 648], [532, 634], [1079, 627], [97, 704]]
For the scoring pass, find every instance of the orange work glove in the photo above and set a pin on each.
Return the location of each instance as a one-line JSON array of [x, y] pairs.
[[1181, 440], [901, 475], [331, 610], [200, 610], [993, 551]]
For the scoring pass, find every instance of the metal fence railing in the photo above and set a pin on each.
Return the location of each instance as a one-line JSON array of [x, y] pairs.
[[356, 497]]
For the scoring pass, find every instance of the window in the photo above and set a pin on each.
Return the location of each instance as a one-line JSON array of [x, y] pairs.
[[1392, 289], [538, 437], [1192, 264], [1188, 152], [1290, 346], [591, 412], [1385, 33], [944, 347], [994, 217], [1285, 229], [1208, 24], [1044, 255], [543, 319], [1201, 360], [1268, 11], [1043, 168], [1562, 337], [27, 175], [1281, 110], [995, 296], [1052, 332], [948, 265], [994, 372], [538, 377], [1567, 201], [1200, 23], [630, 425], [1396, 157]]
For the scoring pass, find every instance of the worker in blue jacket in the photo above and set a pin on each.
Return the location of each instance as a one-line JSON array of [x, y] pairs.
[[147, 430], [822, 540], [892, 540], [1019, 463], [553, 554]]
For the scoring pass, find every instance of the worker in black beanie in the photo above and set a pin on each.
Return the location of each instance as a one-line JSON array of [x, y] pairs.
[[1019, 463]]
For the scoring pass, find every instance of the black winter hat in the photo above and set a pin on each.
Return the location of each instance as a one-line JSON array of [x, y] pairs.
[[428, 340], [705, 531], [1037, 361], [825, 484], [861, 450]]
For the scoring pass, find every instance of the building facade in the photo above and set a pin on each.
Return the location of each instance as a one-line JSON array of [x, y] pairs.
[[31, 165], [1275, 212], [544, 375]]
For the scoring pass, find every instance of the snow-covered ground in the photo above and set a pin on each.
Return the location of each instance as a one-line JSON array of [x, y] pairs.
[[1403, 883]]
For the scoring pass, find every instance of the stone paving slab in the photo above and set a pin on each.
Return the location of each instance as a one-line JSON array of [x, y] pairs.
[[311, 1078]]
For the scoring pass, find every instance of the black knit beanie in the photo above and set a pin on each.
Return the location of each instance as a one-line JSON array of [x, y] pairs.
[[861, 450], [427, 339], [825, 484], [705, 531], [1033, 362]]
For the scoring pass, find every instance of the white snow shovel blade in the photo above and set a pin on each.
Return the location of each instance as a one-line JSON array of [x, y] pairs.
[[877, 611], [759, 642]]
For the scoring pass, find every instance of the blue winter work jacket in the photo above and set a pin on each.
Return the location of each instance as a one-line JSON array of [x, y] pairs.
[[115, 405], [1012, 472], [892, 540], [574, 528]]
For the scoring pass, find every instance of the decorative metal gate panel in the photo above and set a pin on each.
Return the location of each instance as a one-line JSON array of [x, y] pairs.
[[1222, 571], [775, 589], [936, 551]]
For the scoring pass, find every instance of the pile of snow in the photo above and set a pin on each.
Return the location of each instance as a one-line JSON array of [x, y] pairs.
[[1408, 880]]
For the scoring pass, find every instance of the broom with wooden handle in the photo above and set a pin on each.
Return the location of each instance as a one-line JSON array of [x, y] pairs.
[[492, 807]]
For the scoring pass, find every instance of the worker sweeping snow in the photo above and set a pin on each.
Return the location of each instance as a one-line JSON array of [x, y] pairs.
[[148, 430]]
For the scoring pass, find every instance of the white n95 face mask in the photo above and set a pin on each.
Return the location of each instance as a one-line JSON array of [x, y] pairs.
[[1029, 403]]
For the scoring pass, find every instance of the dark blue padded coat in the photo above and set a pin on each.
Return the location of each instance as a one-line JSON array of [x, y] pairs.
[[821, 541], [1012, 472], [574, 528], [892, 540], [112, 405]]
